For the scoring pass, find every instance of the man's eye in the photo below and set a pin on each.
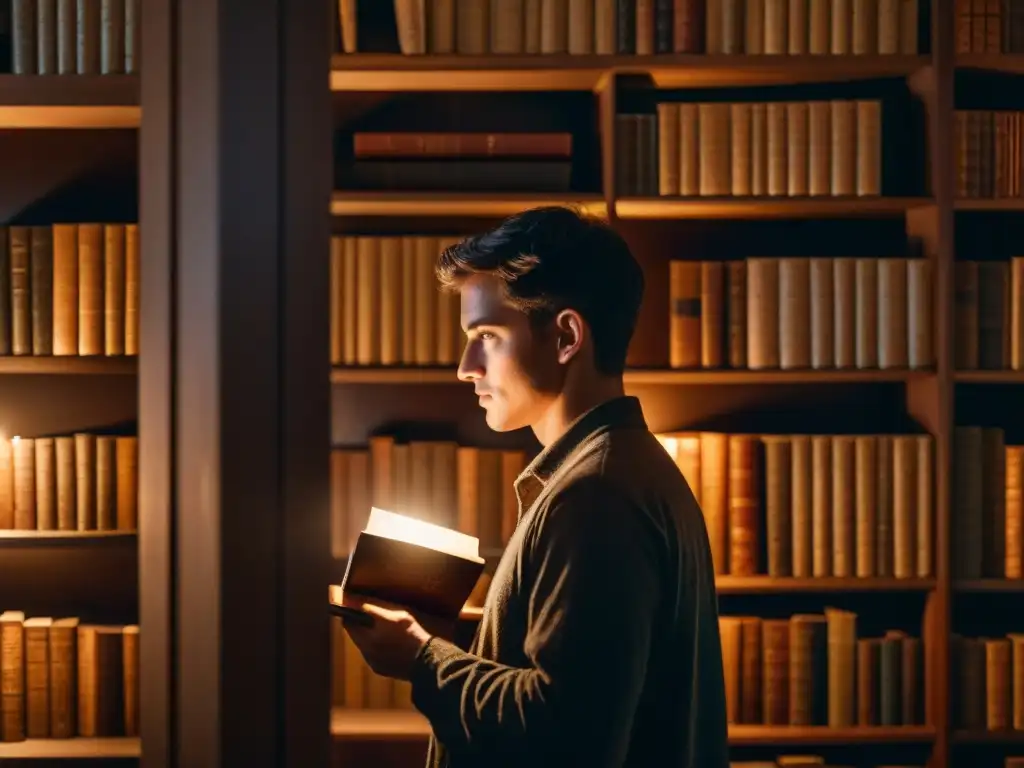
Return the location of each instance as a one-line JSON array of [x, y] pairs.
[[485, 335]]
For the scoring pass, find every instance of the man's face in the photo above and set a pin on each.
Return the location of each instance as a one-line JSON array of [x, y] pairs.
[[513, 366]]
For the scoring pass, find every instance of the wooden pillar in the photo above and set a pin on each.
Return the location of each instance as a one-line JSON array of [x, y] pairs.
[[234, 383]]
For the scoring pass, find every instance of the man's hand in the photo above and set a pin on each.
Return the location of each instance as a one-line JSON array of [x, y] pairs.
[[391, 644]]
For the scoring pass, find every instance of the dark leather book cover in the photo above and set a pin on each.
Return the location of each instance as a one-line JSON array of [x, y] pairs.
[[420, 578]]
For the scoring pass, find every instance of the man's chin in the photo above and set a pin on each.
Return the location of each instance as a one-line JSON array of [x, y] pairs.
[[497, 420]]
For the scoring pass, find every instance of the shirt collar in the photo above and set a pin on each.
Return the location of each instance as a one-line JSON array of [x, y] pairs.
[[619, 412]]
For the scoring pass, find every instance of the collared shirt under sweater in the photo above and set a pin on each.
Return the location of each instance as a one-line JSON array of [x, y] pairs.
[[599, 644]]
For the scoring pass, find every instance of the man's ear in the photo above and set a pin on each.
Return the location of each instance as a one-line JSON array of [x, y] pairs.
[[570, 331]]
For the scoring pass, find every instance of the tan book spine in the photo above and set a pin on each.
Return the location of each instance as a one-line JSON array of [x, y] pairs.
[[844, 296], [112, 36], [819, 148], [24, 453], [869, 148], [794, 313], [554, 26], [751, 672], [904, 510], [441, 26], [426, 301], [87, 681], [776, 27], [337, 310], [131, 287], [114, 288], [449, 323], [12, 676], [106, 483], [421, 468], [868, 663], [733, 26], [37, 677], [389, 301], [85, 481], [715, 152], [892, 313], [821, 322], [799, 27], [865, 27], [843, 506], [21, 290], [133, 36], [88, 17], [998, 690], [1017, 684], [841, 36], [920, 348], [925, 496], [775, 634], [689, 451], [713, 26], [866, 304], [645, 23], [744, 519], [844, 147], [24, 37], [6, 484], [63, 653], [468, 468], [888, 27], [605, 13], [67, 33], [797, 148], [821, 505], [1014, 565], [90, 289], [778, 505], [819, 26], [130, 676], [737, 314], [669, 145], [46, 484], [368, 300], [712, 314], [891, 491], [865, 503], [842, 643], [411, 24], [754, 24], [685, 308], [46, 37], [689, 150], [65, 289], [908, 27], [581, 27], [778, 146], [741, 147], [1017, 313], [759, 156], [67, 510], [802, 505], [731, 630], [762, 313], [41, 290]]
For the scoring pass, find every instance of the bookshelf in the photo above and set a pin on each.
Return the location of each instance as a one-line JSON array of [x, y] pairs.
[[68, 364], [915, 212]]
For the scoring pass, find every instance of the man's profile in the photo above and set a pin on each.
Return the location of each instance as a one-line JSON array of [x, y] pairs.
[[599, 642]]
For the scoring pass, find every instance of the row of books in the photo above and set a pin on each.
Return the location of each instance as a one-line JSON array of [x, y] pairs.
[[63, 678], [462, 487], [813, 669], [798, 313], [992, 26], [988, 511], [799, 27], [774, 149], [386, 304], [987, 150], [988, 318], [813, 505], [80, 482], [988, 679], [75, 37], [69, 289]]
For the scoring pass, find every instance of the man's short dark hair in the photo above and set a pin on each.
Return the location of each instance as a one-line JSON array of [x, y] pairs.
[[554, 258]]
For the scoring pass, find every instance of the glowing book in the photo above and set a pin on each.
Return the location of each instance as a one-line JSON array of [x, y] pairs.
[[422, 567]]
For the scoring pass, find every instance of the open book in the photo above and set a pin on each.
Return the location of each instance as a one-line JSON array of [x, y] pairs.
[[423, 567]]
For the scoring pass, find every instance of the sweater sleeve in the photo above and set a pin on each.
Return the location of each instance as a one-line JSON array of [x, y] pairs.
[[591, 588]]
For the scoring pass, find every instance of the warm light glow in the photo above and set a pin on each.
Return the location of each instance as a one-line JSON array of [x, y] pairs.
[[670, 444], [390, 525]]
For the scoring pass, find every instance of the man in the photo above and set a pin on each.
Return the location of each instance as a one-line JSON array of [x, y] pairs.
[[599, 644]]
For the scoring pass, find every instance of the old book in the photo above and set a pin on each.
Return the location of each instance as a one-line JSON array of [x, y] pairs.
[[405, 561]]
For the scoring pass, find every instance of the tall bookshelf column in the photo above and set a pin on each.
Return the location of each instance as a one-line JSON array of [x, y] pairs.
[[235, 383]]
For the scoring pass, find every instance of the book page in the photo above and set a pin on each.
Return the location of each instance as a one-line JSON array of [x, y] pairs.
[[411, 530]]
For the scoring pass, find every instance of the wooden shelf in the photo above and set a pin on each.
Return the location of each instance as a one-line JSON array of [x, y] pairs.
[[68, 749], [14, 536], [410, 724], [409, 375], [69, 101], [969, 586], [765, 208], [372, 203], [988, 737], [744, 585], [989, 377], [564, 72], [117, 366], [1006, 63], [993, 204]]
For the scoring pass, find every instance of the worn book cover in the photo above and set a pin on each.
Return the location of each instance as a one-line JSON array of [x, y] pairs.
[[423, 567]]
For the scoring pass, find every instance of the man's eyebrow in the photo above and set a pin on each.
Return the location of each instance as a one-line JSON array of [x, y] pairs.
[[484, 321]]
